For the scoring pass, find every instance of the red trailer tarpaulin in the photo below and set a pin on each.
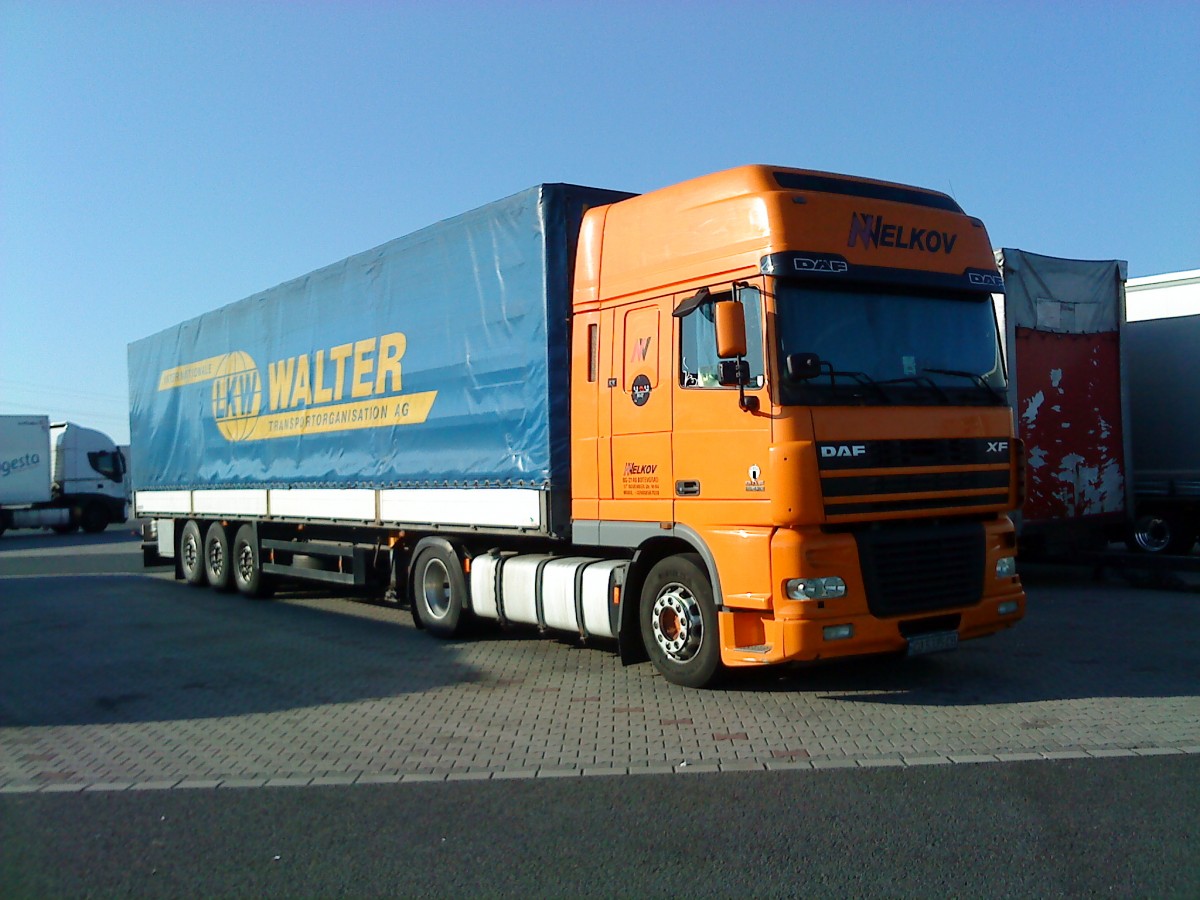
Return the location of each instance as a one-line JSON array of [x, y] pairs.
[[1063, 321]]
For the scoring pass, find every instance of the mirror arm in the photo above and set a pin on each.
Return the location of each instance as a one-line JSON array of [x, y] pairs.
[[747, 404]]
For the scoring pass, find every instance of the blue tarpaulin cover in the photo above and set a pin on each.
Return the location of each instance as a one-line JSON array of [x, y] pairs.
[[437, 359]]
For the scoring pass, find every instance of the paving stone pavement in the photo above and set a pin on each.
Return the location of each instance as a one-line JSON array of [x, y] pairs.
[[132, 682]]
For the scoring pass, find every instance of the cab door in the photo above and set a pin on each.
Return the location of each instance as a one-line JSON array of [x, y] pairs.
[[640, 394], [720, 450]]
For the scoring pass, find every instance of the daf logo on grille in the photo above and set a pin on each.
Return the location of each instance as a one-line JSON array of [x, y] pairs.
[[831, 450]]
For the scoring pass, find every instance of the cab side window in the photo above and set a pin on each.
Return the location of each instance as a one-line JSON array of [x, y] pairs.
[[698, 359], [107, 464]]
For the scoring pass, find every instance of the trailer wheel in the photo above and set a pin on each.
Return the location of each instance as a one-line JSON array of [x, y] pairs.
[[191, 555], [217, 564], [439, 590], [247, 565], [1159, 533], [679, 621]]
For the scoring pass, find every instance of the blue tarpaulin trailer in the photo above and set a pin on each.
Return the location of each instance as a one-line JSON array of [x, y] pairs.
[[381, 388]]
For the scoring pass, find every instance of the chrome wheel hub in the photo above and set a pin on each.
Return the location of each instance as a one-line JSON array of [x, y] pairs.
[[676, 622], [435, 584], [190, 553], [216, 557], [246, 562], [1152, 534]]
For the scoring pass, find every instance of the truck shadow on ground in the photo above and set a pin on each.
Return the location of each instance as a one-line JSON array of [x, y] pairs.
[[96, 650], [26, 540], [80, 650]]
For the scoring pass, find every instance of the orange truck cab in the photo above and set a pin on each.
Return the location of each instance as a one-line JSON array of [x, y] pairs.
[[787, 393]]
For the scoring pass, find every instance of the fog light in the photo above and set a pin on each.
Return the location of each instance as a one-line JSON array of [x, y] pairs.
[[1007, 608], [816, 588], [838, 632], [1006, 567]]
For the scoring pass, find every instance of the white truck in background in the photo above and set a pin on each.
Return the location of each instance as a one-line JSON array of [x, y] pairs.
[[1162, 360], [60, 476]]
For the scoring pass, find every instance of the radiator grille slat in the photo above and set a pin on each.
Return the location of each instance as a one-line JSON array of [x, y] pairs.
[[960, 476]]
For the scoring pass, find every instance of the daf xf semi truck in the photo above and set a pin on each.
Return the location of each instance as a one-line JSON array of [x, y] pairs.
[[752, 418]]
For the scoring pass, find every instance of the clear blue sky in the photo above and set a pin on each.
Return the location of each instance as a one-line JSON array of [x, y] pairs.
[[160, 159]]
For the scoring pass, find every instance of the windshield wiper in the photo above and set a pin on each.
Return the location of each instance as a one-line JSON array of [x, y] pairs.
[[922, 381], [861, 378], [975, 377]]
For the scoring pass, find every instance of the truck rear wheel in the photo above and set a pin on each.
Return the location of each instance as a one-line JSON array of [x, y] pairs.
[[191, 555], [217, 565], [439, 590], [247, 564], [679, 621]]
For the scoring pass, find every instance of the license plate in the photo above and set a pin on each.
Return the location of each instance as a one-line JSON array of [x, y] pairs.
[[934, 642]]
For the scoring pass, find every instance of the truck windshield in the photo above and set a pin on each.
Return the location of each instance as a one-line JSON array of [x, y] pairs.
[[890, 347]]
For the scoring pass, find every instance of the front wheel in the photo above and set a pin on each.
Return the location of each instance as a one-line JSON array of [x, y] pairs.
[[439, 590], [94, 519], [679, 621]]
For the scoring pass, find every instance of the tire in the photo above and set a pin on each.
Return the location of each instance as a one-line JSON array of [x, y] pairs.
[[94, 518], [191, 555], [439, 591], [218, 566], [246, 563], [679, 621], [1155, 532]]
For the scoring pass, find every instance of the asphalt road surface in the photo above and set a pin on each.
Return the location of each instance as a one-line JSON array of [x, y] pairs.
[[160, 741]]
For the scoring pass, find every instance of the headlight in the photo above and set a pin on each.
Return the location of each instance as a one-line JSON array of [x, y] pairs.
[[1006, 567], [816, 588]]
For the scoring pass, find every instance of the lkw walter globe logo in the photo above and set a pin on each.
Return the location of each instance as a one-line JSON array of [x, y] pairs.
[[236, 396]]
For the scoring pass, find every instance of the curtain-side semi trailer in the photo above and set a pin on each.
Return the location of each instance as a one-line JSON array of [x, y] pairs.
[[1163, 336], [1063, 330], [751, 418]]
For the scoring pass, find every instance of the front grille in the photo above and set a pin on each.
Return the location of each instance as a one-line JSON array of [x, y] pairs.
[[916, 452], [958, 473], [920, 568]]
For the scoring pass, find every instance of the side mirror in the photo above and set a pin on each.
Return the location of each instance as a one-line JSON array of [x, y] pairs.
[[730, 323], [733, 372], [802, 366]]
